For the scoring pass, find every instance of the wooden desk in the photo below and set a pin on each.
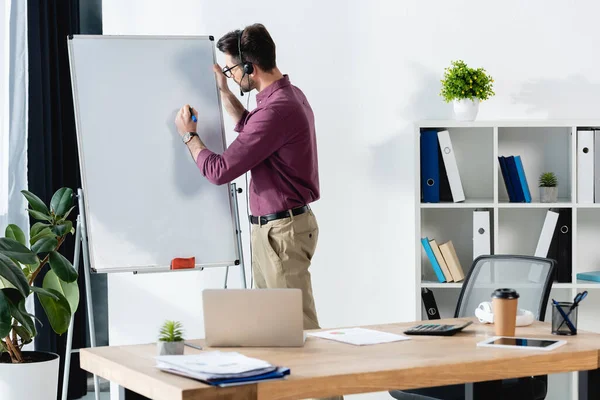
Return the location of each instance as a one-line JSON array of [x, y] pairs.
[[326, 368]]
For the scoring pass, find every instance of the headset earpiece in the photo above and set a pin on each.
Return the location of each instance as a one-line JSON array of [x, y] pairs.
[[247, 66]]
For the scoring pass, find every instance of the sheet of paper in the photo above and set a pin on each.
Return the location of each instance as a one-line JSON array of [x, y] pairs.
[[214, 363], [359, 336]]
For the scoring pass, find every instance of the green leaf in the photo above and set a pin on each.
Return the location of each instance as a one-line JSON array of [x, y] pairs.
[[23, 334], [69, 290], [42, 291], [45, 245], [35, 202], [13, 274], [68, 212], [46, 232], [63, 228], [14, 232], [57, 311], [39, 215], [62, 267], [62, 201], [38, 227], [19, 313], [5, 317], [15, 250]]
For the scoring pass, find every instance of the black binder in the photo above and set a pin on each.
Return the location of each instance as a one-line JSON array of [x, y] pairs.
[[561, 247], [430, 304]]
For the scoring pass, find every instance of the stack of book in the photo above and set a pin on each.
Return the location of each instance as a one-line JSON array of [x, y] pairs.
[[444, 260], [221, 369], [515, 179]]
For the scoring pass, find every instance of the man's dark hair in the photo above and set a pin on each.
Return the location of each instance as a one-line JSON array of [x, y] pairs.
[[256, 43]]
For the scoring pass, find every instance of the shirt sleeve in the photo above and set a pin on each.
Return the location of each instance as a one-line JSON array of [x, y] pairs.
[[257, 140]]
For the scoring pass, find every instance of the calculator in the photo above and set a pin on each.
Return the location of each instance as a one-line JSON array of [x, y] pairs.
[[437, 329]]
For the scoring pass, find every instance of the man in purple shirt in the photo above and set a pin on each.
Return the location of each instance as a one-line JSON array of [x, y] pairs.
[[277, 144]]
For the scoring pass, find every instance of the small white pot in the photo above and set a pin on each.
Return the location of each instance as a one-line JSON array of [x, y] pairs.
[[28, 381], [548, 194], [466, 109], [170, 348]]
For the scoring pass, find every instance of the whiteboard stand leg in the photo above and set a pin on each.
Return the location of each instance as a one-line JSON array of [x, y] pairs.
[[88, 285], [81, 242], [238, 234], [68, 351]]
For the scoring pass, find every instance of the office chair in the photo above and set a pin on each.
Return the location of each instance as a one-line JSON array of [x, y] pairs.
[[531, 277]]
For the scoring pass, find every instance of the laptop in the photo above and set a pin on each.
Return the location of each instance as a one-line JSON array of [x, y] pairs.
[[253, 317]]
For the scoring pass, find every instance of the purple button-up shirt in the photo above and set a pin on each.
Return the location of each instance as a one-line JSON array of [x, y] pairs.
[[277, 143]]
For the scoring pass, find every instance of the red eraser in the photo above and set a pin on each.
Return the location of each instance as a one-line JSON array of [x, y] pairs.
[[183, 263]]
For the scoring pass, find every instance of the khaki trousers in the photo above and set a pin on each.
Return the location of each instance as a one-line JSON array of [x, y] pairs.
[[282, 251]]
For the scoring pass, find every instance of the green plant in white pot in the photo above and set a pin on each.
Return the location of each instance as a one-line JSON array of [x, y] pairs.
[[466, 87], [33, 374], [548, 187], [170, 341]]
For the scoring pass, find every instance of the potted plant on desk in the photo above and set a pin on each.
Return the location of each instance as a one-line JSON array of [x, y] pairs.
[[170, 341], [548, 187], [465, 87], [34, 374]]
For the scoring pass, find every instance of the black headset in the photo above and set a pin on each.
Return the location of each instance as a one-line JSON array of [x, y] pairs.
[[247, 66]]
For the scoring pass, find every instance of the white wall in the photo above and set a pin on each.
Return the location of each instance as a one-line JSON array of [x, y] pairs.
[[370, 69]]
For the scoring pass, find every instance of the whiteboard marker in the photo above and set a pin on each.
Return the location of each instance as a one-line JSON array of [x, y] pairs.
[[193, 116]]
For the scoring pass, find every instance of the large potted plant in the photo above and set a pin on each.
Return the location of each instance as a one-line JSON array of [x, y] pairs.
[[466, 87], [28, 375]]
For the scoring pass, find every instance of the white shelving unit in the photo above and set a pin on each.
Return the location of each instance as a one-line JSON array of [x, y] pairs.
[[543, 146]]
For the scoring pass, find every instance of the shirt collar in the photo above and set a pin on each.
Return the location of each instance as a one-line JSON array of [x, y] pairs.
[[269, 90]]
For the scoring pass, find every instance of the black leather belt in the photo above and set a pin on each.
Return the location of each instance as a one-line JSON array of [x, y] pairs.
[[283, 214]]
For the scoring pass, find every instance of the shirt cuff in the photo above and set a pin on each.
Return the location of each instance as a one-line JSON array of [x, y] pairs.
[[240, 125], [202, 156]]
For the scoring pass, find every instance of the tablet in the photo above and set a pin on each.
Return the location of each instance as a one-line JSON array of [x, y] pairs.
[[522, 343]]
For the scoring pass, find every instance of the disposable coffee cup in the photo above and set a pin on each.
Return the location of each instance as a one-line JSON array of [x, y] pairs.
[[504, 304]]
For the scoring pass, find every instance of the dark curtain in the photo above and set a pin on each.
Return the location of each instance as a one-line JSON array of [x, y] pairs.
[[52, 154]]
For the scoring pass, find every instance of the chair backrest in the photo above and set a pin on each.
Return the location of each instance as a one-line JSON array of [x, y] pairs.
[[530, 276]]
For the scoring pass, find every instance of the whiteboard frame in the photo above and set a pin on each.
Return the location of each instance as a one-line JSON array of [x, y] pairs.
[[82, 169]]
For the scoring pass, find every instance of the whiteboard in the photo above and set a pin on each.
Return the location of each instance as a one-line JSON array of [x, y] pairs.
[[146, 202]]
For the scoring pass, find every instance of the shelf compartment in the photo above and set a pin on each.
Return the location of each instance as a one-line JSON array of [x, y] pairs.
[[473, 149], [541, 149]]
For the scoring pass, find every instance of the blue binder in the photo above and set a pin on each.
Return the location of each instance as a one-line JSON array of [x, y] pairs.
[[436, 267], [511, 166], [430, 173], [506, 176], [523, 179]]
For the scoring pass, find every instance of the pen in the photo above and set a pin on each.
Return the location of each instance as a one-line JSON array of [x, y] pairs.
[[193, 116], [193, 346]]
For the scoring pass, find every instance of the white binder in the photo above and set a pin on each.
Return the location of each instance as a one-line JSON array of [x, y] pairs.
[[543, 245], [585, 166], [456, 188], [481, 234]]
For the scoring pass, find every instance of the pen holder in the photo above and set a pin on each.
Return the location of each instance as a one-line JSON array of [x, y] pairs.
[[559, 324]]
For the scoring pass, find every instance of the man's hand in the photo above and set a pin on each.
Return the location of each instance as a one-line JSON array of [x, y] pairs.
[[183, 120], [221, 78]]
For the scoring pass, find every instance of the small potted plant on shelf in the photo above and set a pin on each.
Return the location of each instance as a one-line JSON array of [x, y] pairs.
[[466, 87], [170, 341], [548, 187]]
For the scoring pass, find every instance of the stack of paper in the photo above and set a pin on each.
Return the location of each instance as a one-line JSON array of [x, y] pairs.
[[359, 336], [221, 368]]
